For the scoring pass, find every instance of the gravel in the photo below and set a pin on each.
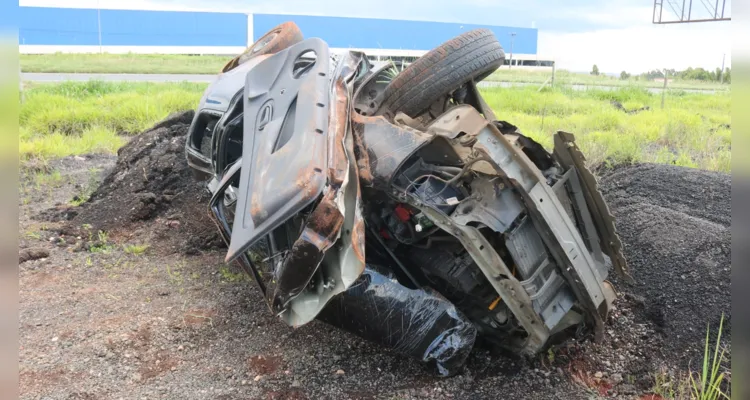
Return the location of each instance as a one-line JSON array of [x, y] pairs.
[[99, 322]]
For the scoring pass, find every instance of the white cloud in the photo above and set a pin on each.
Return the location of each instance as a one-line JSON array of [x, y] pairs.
[[640, 48]]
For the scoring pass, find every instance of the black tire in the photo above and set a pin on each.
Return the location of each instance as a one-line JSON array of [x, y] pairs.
[[472, 55]]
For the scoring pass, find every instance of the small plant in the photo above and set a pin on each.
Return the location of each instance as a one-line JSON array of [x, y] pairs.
[[228, 276], [391, 72], [33, 235], [54, 179], [136, 249], [174, 275], [668, 388], [87, 190], [101, 245], [706, 385]]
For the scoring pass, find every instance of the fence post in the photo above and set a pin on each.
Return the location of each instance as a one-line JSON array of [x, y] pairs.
[[664, 89], [552, 83]]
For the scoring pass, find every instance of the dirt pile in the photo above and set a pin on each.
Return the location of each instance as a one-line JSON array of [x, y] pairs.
[[151, 194], [675, 224]]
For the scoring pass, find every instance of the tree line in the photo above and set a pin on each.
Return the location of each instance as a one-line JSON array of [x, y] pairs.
[[698, 74]]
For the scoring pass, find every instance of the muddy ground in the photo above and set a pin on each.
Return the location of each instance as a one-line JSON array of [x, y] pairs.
[[146, 309]]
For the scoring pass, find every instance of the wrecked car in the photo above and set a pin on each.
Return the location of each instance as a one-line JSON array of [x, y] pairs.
[[392, 202]]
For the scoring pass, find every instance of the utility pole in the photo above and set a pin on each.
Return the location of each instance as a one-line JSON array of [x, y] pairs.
[[723, 58], [512, 36], [99, 23]]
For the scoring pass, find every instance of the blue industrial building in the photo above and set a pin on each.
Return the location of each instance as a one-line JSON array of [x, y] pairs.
[[46, 29], [369, 33]]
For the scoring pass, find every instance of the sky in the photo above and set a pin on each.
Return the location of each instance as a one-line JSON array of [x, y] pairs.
[[615, 35]]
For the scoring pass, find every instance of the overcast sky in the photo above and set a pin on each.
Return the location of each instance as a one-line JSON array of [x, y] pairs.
[[614, 34]]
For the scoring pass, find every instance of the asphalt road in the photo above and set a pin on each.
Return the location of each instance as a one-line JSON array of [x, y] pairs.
[[60, 77]]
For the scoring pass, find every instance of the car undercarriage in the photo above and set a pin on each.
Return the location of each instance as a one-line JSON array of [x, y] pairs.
[[390, 201]]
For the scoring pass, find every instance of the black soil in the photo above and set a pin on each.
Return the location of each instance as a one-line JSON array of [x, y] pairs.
[[151, 186], [675, 224]]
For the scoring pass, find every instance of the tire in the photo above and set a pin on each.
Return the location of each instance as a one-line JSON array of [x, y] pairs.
[[472, 55], [275, 40]]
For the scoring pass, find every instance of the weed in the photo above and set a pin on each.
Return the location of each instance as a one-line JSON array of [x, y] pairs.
[[228, 276], [665, 386], [53, 179], [88, 189], [135, 249], [388, 74], [706, 385], [175, 275], [102, 244], [32, 235]]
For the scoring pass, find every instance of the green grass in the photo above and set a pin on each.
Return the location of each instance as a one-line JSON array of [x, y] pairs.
[[692, 130], [57, 120], [124, 63], [209, 64], [136, 249]]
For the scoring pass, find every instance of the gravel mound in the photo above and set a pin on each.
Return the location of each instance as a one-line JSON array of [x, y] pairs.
[[151, 182], [675, 224]]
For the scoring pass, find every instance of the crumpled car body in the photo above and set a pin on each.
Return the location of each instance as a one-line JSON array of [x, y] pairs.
[[420, 232]]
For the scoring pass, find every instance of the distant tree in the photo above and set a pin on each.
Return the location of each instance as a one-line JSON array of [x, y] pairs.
[[595, 70], [624, 75], [717, 74], [651, 75], [728, 75], [698, 74]]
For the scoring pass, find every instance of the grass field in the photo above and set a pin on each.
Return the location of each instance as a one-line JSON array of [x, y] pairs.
[[123, 63], [189, 64], [563, 78], [94, 117], [692, 130]]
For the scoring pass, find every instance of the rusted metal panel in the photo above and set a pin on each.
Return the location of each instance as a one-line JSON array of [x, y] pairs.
[[321, 231], [386, 145]]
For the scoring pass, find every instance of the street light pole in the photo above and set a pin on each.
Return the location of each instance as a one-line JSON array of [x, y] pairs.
[[512, 36], [99, 23]]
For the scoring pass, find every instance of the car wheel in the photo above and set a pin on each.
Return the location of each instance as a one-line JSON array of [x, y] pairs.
[[275, 40], [470, 56]]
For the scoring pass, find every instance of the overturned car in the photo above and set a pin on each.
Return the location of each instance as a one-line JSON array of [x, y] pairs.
[[391, 202]]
